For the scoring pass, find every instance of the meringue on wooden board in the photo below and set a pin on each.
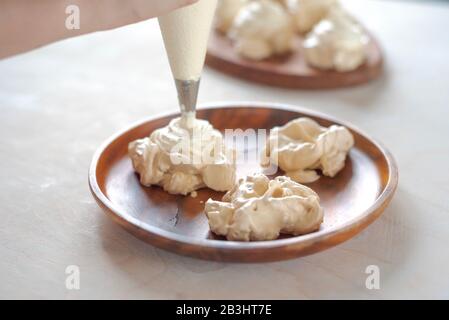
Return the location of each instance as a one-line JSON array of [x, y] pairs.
[[226, 12], [338, 42], [183, 158], [259, 29], [302, 146], [190, 154], [258, 208], [307, 13], [262, 29]]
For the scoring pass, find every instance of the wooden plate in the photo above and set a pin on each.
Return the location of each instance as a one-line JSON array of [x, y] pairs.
[[352, 200], [290, 71]]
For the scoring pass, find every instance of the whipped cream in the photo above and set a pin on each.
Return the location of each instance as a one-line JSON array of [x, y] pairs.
[[337, 42], [259, 209], [262, 29], [186, 32], [302, 146], [184, 156]]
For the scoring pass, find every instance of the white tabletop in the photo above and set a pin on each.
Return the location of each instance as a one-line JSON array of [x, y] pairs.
[[59, 103]]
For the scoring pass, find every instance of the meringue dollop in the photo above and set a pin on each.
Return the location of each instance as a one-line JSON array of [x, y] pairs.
[[338, 42], [302, 146], [258, 209], [262, 29], [186, 155]]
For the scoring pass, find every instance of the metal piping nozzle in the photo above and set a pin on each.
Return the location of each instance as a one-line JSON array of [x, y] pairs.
[[187, 94]]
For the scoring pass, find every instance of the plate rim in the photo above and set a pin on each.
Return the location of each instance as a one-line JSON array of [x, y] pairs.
[[236, 246]]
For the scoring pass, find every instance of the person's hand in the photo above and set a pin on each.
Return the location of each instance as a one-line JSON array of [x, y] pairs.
[[25, 25], [116, 13]]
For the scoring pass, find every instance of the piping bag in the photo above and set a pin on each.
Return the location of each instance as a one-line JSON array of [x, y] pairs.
[[186, 32]]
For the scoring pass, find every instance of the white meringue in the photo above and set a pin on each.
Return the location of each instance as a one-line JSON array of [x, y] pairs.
[[302, 145], [307, 13], [183, 158], [337, 42], [259, 209], [227, 10], [262, 29]]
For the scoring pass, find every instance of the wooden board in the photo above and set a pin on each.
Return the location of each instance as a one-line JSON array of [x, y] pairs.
[[290, 71], [352, 200]]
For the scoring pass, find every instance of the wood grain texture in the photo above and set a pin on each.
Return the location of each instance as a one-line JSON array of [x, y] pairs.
[[352, 200], [290, 71]]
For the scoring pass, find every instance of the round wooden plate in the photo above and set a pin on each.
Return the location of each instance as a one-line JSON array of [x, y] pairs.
[[352, 200], [290, 71]]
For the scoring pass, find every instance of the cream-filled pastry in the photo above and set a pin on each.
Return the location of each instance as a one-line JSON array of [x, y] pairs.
[[259, 209], [184, 156], [337, 42], [262, 29], [302, 146]]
